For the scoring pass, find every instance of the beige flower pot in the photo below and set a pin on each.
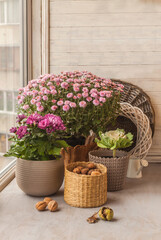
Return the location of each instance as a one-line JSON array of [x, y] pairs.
[[39, 178]]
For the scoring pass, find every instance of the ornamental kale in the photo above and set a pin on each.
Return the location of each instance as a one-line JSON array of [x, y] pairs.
[[114, 139], [37, 137], [83, 100]]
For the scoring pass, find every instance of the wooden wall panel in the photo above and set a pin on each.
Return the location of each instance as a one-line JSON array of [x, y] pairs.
[[115, 39]]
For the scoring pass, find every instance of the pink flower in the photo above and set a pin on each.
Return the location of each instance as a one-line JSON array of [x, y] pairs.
[[20, 101], [102, 99], [49, 84], [89, 99], [53, 92], [108, 94], [38, 104], [102, 93], [85, 89], [64, 85], [94, 95], [93, 90], [76, 89], [85, 94], [47, 91], [34, 85], [79, 95], [53, 101], [82, 104], [40, 108], [66, 107], [67, 102], [72, 104], [25, 107], [60, 103], [54, 107], [96, 102], [33, 101], [18, 97], [74, 97], [97, 85], [38, 98], [45, 98], [69, 95]]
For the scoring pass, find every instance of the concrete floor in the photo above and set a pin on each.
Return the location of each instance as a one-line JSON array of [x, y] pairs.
[[137, 211]]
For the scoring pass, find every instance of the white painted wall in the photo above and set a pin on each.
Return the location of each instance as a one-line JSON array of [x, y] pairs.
[[115, 39]]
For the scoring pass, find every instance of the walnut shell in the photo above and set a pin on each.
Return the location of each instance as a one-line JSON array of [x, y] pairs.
[[40, 206], [76, 170], [47, 200], [91, 165], [95, 173], [85, 171], [52, 206]]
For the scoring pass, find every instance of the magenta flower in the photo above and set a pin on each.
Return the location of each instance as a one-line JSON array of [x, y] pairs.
[[38, 104], [67, 102], [82, 104], [96, 102], [66, 107], [20, 117], [102, 93], [76, 89], [22, 131], [43, 124], [79, 95], [85, 89], [34, 119], [94, 95], [13, 130], [60, 103], [53, 101]]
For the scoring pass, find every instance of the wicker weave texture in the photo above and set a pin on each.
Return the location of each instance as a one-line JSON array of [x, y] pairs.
[[144, 133], [116, 167], [85, 190]]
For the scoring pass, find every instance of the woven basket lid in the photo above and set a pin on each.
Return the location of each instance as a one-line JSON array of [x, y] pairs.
[[137, 97]]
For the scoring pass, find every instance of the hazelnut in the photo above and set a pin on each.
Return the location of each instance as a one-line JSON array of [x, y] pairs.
[[80, 167], [52, 206], [40, 206], [95, 173], [91, 165], [90, 171], [85, 171], [47, 200], [76, 170]]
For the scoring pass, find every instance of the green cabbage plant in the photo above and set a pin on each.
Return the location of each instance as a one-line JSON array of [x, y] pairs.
[[114, 139]]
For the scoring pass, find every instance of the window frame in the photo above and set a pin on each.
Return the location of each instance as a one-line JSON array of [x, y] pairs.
[[8, 173]]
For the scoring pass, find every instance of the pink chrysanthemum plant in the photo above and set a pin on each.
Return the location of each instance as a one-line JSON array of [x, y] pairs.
[[84, 101], [37, 137]]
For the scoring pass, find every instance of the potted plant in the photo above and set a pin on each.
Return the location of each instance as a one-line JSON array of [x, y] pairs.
[[36, 145], [84, 101], [115, 161]]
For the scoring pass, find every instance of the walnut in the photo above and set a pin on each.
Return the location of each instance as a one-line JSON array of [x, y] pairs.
[[85, 171], [76, 170], [97, 170], [40, 206], [52, 206], [91, 165], [95, 173], [47, 200]]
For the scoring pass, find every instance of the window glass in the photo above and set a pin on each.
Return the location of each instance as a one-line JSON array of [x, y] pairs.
[[10, 69]]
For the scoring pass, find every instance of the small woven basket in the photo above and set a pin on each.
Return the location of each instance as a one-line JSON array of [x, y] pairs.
[[116, 167], [84, 190]]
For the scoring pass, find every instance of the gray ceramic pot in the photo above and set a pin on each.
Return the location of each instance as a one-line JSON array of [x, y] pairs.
[[39, 178]]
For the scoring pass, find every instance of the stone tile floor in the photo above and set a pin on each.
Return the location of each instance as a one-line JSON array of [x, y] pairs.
[[137, 211]]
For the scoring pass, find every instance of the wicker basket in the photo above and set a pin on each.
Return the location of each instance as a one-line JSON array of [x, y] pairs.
[[116, 167], [85, 190]]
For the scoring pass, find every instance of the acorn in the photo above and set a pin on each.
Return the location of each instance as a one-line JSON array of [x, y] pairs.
[[106, 213]]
